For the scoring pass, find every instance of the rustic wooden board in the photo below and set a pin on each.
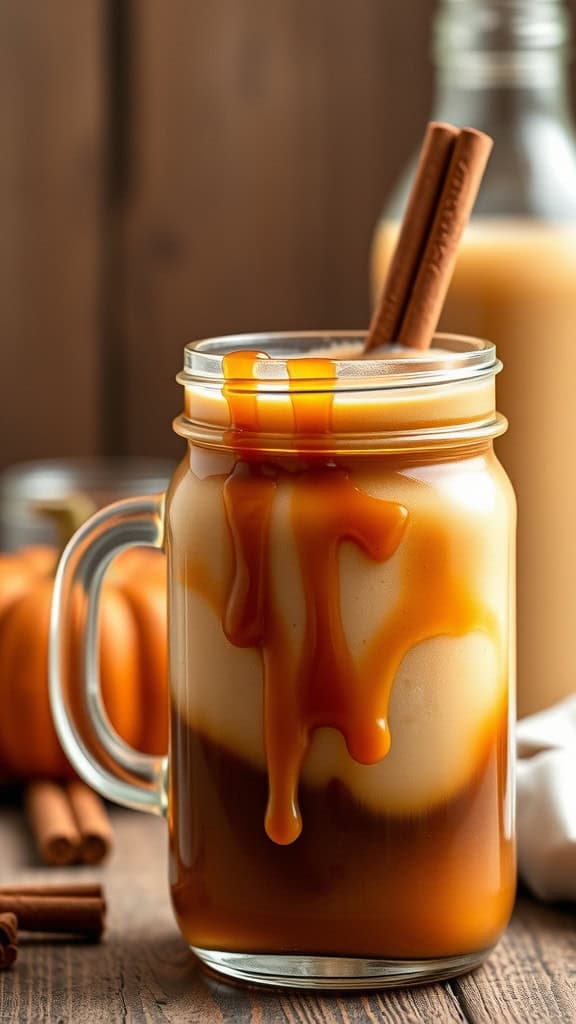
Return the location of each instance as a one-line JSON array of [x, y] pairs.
[[51, 68], [532, 974], [144, 972]]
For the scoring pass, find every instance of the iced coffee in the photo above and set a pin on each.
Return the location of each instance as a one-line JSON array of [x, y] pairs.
[[340, 543]]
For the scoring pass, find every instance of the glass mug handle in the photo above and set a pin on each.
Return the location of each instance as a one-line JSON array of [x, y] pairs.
[[116, 770]]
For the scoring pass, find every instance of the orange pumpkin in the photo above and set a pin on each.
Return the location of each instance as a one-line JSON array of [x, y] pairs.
[[133, 661], [15, 571]]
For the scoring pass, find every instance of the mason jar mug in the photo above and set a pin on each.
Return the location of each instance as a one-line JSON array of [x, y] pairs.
[[340, 544]]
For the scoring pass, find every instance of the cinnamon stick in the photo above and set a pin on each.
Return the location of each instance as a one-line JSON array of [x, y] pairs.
[[8, 929], [57, 915], [439, 208], [52, 823], [8, 940], [92, 821], [69, 824], [433, 162], [8, 956], [467, 166], [91, 890]]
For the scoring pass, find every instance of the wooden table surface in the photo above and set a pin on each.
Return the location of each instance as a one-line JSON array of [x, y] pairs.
[[143, 971]]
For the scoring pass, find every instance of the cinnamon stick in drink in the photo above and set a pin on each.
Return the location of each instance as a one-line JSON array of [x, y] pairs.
[[412, 299], [465, 172], [429, 179], [52, 822]]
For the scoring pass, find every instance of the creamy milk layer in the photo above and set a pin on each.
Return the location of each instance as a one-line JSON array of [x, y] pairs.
[[449, 691]]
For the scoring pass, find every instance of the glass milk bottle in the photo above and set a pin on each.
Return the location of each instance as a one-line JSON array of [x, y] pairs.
[[502, 67]]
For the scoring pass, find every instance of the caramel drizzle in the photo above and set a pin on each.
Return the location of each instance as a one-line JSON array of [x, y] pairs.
[[326, 687]]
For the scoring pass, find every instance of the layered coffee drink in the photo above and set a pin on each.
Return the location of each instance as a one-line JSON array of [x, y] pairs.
[[340, 543]]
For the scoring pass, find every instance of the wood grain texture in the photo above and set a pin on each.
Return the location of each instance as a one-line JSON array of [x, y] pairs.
[[143, 972], [532, 974], [261, 158], [233, 185], [50, 206]]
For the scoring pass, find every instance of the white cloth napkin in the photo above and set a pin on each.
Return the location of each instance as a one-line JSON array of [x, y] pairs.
[[546, 791]]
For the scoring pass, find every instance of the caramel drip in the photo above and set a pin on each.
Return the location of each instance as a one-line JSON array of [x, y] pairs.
[[241, 396], [335, 691], [312, 409], [248, 498], [436, 600], [324, 686]]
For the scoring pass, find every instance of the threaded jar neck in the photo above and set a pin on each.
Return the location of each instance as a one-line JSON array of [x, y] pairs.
[[299, 393], [500, 41]]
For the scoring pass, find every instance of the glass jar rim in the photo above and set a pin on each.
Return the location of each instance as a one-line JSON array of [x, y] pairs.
[[451, 358], [442, 396]]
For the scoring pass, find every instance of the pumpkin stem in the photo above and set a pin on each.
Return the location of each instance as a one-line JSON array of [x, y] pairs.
[[67, 514]]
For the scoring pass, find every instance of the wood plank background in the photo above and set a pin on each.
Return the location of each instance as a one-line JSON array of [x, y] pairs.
[[174, 170], [265, 140], [51, 118]]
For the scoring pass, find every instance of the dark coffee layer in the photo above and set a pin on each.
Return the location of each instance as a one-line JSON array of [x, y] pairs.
[[438, 883]]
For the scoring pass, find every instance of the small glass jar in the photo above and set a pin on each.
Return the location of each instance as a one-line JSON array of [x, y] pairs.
[[96, 479], [340, 540]]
